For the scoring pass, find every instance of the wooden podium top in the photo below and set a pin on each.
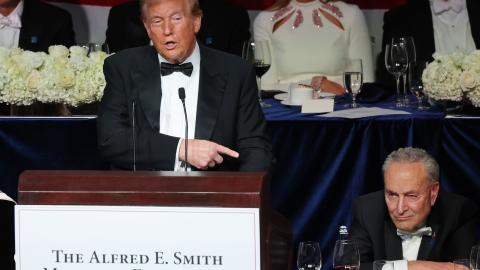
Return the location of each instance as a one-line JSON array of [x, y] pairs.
[[217, 189]]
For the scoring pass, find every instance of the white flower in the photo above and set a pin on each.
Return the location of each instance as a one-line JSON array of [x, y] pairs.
[[58, 51], [468, 80]]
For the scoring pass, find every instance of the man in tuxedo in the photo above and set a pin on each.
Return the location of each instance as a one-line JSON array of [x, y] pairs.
[[224, 26], [33, 25], [141, 121], [442, 26], [411, 222], [7, 233]]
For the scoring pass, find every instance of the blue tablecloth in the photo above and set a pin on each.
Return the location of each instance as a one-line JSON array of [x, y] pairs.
[[322, 163]]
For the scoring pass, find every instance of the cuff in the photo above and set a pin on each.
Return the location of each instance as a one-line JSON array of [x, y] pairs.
[[400, 265], [178, 162]]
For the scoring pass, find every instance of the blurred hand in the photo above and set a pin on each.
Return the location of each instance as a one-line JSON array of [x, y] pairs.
[[204, 154], [324, 84], [429, 265]]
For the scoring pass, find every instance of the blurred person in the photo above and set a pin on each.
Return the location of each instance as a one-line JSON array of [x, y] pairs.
[[33, 25], [442, 26], [227, 130], [311, 40], [412, 222], [224, 26]]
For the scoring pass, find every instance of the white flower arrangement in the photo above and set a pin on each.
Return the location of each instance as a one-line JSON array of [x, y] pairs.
[[66, 76], [453, 77]]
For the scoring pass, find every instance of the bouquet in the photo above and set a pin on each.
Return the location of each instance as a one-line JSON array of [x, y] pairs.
[[453, 77], [67, 76]]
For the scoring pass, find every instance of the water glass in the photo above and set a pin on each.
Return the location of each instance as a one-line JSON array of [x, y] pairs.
[[412, 57], [353, 80], [382, 265], [416, 83], [346, 255], [309, 256], [475, 258]]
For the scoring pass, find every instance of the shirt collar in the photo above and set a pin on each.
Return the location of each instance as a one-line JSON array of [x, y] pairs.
[[440, 6]]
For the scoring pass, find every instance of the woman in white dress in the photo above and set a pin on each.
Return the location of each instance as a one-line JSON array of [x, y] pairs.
[[311, 40]]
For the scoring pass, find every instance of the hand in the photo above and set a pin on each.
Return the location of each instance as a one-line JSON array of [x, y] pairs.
[[203, 154], [429, 265], [324, 84]]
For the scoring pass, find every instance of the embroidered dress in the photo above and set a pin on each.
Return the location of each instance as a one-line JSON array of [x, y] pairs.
[[315, 38]]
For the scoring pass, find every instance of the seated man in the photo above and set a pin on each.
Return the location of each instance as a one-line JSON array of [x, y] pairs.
[[7, 233], [224, 26], [227, 130], [411, 222]]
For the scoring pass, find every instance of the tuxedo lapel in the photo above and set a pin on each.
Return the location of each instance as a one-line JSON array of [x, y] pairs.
[[428, 243], [210, 95], [393, 243], [473, 7], [148, 89]]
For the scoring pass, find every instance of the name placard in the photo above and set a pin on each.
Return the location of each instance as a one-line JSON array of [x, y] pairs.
[[54, 237]]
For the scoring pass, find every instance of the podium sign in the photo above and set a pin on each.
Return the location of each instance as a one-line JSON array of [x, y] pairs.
[[77, 237]]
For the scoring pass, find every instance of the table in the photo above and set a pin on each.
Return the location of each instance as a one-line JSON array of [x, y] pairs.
[[322, 163]]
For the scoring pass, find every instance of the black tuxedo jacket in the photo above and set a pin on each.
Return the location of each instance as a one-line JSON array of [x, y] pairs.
[[44, 25], [7, 235], [228, 111], [454, 220], [224, 26], [415, 19]]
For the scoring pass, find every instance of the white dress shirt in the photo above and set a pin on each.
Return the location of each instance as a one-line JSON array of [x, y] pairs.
[[410, 248], [10, 32], [172, 117], [451, 26]]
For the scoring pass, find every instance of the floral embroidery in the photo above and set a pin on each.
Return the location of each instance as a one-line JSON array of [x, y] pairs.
[[298, 19], [317, 21]]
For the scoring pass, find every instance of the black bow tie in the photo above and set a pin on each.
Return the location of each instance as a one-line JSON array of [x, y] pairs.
[[167, 68]]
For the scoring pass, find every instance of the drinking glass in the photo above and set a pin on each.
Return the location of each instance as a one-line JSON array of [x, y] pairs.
[[96, 47], [309, 256], [416, 85], [382, 265], [258, 54], [396, 62], [353, 79], [475, 258], [346, 255], [412, 57], [461, 264]]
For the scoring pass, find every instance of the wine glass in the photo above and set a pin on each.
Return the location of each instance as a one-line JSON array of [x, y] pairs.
[[475, 258], [415, 80], [353, 79], [258, 54], [309, 256], [396, 62], [346, 255], [412, 57], [96, 47]]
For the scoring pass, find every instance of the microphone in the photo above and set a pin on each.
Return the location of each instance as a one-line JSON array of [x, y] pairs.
[[133, 136], [181, 95]]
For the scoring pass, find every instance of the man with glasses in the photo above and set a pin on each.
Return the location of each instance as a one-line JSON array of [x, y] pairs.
[[411, 222]]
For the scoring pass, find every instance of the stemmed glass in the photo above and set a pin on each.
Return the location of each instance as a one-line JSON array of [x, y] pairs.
[[309, 256], [475, 258], [346, 255], [396, 62], [412, 57], [353, 79], [258, 54], [96, 47], [416, 85]]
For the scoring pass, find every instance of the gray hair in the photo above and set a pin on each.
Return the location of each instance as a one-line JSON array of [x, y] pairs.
[[412, 155], [194, 7]]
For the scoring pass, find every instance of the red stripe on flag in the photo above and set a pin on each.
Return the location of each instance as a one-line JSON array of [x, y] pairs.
[[252, 4]]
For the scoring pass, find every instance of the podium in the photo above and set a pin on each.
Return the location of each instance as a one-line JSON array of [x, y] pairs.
[[166, 189]]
